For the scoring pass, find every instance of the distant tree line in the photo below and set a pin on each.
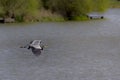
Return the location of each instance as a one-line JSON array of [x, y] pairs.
[[66, 8]]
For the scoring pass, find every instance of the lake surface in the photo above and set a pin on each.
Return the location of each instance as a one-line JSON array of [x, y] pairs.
[[88, 50]]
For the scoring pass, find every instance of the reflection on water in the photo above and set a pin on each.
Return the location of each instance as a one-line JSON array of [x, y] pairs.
[[75, 50]]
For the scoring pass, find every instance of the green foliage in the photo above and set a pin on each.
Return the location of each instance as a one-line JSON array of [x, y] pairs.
[[100, 5], [44, 3], [16, 7], [80, 18], [115, 4], [69, 9], [31, 6], [72, 8]]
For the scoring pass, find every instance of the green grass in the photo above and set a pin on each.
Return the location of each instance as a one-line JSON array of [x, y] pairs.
[[80, 18]]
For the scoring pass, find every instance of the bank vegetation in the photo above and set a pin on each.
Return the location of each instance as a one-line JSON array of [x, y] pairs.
[[115, 4], [50, 10]]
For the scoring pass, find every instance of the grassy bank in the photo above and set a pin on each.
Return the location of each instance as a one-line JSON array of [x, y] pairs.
[[47, 16], [41, 16], [49, 10]]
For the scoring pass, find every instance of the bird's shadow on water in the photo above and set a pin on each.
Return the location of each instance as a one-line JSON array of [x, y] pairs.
[[36, 54], [33, 53]]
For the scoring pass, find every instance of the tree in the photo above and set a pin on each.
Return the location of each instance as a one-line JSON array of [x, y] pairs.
[[44, 3], [100, 5], [73, 8], [70, 8], [11, 7]]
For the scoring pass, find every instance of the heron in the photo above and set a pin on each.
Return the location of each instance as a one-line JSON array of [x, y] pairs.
[[36, 46]]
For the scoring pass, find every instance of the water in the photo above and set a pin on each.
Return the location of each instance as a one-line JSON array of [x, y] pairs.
[[87, 50]]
